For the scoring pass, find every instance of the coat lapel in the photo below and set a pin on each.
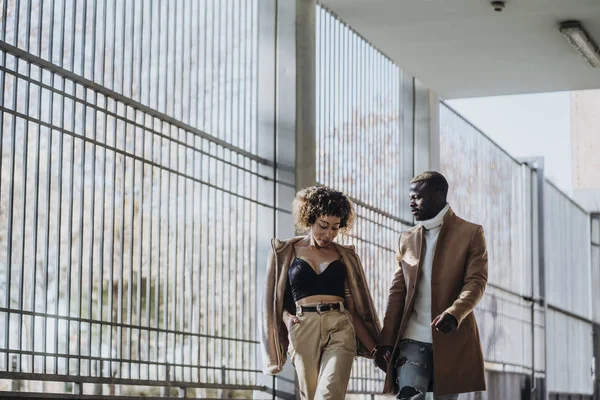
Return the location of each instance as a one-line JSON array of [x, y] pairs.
[[412, 257]]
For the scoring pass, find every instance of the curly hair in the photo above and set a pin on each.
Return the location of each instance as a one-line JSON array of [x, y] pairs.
[[315, 201]]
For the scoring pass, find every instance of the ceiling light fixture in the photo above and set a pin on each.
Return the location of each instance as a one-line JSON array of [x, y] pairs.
[[579, 39]]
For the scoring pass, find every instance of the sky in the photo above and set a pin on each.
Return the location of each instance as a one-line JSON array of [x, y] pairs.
[[528, 125]]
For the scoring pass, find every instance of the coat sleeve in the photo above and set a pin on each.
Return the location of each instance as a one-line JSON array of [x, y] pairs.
[[267, 338], [366, 323], [395, 305], [476, 274]]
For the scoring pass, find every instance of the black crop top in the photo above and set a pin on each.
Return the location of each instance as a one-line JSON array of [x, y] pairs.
[[304, 281]]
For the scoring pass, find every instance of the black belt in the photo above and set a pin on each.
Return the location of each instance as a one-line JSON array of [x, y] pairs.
[[320, 308]]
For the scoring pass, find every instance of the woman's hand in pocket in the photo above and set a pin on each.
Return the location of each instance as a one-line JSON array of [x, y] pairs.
[[290, 320]]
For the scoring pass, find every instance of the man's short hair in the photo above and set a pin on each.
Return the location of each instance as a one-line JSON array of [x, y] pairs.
[[433, 178]]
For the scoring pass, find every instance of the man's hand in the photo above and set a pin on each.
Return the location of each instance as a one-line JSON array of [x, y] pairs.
[[445, 323], [383, 356]]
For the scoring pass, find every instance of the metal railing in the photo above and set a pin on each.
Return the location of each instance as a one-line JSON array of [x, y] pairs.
[[537, 236], [128, 182], [364, 148], [491, 188]]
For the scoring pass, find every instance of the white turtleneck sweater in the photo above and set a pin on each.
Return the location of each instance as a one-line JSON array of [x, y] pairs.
[[420, 320]]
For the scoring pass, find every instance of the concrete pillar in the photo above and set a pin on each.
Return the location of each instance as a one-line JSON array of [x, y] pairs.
[[305, 93], [426, 129]]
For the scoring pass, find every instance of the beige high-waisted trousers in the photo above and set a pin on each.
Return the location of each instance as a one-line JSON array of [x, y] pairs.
[[322, 349]]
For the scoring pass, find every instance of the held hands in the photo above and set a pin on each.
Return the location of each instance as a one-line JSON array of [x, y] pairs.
[[383, 357], [445, 323]]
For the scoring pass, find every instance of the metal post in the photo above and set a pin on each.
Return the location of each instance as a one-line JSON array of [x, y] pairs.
[[538, 165], [164, 391], [15, 385]]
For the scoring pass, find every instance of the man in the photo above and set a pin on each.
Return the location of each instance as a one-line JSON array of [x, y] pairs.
[[430, 340]]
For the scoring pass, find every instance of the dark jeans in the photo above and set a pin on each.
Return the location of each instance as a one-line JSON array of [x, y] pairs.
[[414, 364]]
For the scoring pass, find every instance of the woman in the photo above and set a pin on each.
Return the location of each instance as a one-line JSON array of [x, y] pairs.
[[317, 305]]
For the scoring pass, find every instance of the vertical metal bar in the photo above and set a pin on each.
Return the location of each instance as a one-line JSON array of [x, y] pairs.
[[350, 82], [151, 219], [377, 100], [60, 184], [343, 127], [180, 287], [142, 203], [339, 142], [168, 246], [37, 191], [243, 108], [4, 29], [121, 241], [103, 196], [364, 120], [344, 131], [159, 246], [212, 201], [111, 241], [17, 22], [186, 66], [82, 189], [326, 101], [318, 83], [122, 205], [190, 202], [333, 102], [254, 127], [357, 109], [9, 237], [131, 245], [132, 195], [208, 98], [23, 208], [334, 148], [173, 185], [196, 249], [371, 120], [199, 203], [221, 172], [196, 201], [160, 195], [2, 89], [92, 231], [24, 195], [168, 206], [226, 171], [48, 192], [71, 200], [396, 110], [234, 106], [112, 347], [326, 89], [254, 123]]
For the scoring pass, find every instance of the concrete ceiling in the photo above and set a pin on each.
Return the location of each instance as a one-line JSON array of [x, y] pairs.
[[463, 48]]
